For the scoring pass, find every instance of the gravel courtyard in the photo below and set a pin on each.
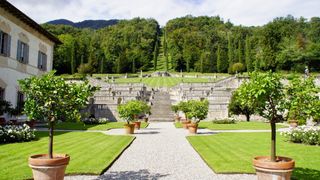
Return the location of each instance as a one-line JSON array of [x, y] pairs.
[[161, 152]]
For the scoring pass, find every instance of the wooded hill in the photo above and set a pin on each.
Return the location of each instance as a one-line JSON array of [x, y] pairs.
[[201, 44]]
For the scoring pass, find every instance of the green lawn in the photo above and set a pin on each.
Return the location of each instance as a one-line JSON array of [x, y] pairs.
[[161, 81], [90, 153], [236, 126], [82, 126], [233, 153]]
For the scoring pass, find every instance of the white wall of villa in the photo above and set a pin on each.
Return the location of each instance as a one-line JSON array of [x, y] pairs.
[[12, 69]]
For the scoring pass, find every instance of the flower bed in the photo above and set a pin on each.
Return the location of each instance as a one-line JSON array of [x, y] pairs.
[[13, 133], [303, 134], [95, 121]]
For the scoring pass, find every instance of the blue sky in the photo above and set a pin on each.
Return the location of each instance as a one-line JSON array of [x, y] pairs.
[[245, 12]]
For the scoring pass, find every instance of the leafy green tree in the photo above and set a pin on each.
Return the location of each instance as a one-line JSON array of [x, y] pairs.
[[265, 93], [50, 98], [198, 110], [302, 101], [130, 110], [235, 107]]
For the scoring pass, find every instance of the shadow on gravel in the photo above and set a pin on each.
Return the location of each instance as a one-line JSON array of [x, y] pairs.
[[149, 132], [126, 175]]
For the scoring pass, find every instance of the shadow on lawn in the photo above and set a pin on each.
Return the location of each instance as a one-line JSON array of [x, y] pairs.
[[45, 134], [126, 175], [305, 174]]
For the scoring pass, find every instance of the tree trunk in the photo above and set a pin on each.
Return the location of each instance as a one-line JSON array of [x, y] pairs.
[[248, 117], [51, 140], [273, 141]]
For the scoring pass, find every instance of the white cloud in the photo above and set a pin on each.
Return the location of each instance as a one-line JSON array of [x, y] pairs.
[[246, 12]]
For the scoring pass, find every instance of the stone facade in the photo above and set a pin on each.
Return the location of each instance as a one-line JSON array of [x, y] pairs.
[[17, 62]]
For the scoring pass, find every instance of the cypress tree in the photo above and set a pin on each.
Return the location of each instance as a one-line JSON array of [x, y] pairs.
[[240, 59], [249, 62], [72, 59], [219, 63], [165, 49], [101, 65], [230, 51], [155, 55]]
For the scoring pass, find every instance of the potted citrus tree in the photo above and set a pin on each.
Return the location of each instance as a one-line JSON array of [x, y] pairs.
[[175, 109], [185, 106], [50, 98], [198, 111], [129, 112], [265, 93]]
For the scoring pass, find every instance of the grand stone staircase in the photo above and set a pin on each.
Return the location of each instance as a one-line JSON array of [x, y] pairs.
[[161, 108]]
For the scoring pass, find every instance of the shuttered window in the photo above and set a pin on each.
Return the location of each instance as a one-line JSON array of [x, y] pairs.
[[23, 52], [5, 44], [1, 93], [42, 61], [20, 101]]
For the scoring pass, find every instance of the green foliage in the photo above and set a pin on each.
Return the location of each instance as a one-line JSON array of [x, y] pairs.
[[5, 106], [194, 109], [224, 121], [302, 99], [50, 98], [175, 108], [192, 43], [265, 93], [131, 109], [237, 68], [236, 107]]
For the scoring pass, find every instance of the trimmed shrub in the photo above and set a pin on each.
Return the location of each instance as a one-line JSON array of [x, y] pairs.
[[224, 121]]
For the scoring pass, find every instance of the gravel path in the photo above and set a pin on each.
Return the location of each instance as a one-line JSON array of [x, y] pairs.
[[162, 152]]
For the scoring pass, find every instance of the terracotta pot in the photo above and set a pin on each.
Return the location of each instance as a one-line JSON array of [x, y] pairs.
[[192, 128], [185, 124], [129, 128], [44, 168], [137, 124], [266, 170], [293, 123]]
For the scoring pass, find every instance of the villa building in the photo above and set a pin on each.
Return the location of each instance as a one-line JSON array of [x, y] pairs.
[[26, 49]]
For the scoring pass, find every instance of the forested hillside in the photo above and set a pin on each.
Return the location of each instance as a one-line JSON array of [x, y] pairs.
[[202, 44], [125, 47], [94, 24], [207, 44]]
